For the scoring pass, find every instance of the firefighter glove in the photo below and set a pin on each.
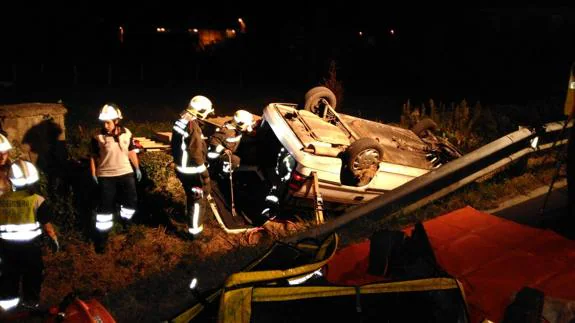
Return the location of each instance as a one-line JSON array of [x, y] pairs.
[[138, 174], [54, 245], [95, 178]]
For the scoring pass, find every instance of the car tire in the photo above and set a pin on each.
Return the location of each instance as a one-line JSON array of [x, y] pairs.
[[421, 128], [362, 155], [313, 96]]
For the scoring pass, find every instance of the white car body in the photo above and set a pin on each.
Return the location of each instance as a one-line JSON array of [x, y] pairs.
[[314, 142]]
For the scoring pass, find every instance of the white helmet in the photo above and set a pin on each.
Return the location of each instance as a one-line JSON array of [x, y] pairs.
[[200, 107], [23, 173], [243, 120], [110, 111], [4, 144]]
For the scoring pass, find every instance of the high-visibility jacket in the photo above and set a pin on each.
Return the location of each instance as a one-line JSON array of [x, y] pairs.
[[18, 216], [188, 147]]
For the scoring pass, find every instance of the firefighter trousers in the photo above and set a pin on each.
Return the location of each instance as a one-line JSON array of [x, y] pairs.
[[195, 201], [21, 262]]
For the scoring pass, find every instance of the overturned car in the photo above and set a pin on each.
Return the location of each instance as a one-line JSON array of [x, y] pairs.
[[312, 152]]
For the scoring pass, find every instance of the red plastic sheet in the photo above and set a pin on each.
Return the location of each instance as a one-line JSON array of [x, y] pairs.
[[492, 257]]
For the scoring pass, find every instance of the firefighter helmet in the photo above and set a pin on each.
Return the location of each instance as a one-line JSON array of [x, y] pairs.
[[4, 144], [243, 120], [200, 107], [110, 111], [23, 173]]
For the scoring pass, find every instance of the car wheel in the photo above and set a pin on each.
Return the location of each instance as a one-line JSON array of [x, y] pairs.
[[423, 126], [362, 156], [313, 97]]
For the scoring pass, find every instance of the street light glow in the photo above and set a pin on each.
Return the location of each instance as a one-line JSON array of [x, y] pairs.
[[242, 25]]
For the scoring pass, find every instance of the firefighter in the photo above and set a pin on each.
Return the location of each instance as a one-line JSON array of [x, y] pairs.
[[189, 151], [23, 218], [5, 148], [113, 162], [223, 144]]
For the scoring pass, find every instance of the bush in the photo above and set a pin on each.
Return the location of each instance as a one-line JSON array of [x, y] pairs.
[[161, 195]]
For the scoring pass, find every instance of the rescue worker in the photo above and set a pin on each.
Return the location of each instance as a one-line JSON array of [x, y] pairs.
[[223, 144], [189, 151], [5, 148], [113, 162], [23, 218]]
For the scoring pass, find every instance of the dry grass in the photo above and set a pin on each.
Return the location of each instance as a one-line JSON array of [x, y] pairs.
[[144, 252]]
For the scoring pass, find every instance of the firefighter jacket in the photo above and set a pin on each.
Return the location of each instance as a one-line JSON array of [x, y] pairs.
[[226, 137], [21, 214], [188, 147]]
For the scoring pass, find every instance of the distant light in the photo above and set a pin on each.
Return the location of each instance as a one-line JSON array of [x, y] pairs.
[[361, 33], [195, 30], [121, 34], [240, 20], [392, 32], [572, 86], [194, 283], [161, 29]]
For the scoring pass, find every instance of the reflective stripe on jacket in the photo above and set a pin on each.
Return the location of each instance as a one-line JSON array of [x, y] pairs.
[[18, 221], [189, 150]]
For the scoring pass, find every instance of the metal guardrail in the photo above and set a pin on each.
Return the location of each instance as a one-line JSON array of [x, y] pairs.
[[449, 177]]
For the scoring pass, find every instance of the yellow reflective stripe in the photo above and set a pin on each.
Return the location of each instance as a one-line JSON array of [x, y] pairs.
[[235, 306], [411, 286], [105, 217], [104, 226], [7, 304], [104, 222], [20, 235], [234, 139], [258, 276], [126, 213], [192, 170], [274, 294], [20, 227]]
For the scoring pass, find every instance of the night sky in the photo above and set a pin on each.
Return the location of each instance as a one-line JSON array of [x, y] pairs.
[[505, 54]]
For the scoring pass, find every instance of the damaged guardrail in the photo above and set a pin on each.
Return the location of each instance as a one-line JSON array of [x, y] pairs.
[[451, 176]]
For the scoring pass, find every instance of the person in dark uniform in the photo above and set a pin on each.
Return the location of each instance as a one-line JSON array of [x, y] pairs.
[[24, 217], [189, 150], [223, 144]]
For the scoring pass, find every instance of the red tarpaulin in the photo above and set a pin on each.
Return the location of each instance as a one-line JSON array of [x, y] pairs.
[[492, 257]]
